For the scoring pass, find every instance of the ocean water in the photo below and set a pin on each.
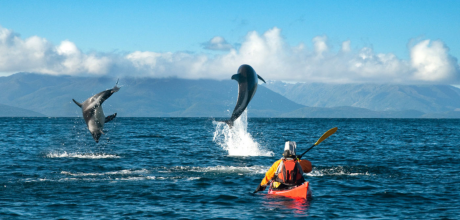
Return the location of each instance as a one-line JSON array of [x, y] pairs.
[[196, 168]]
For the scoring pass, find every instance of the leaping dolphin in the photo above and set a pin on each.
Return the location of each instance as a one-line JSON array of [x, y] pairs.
[[93, 113], [247, 86]]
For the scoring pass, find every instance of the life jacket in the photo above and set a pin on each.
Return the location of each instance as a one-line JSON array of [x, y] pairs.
[[289, 173]]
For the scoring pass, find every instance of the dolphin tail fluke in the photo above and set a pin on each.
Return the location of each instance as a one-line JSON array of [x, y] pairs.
[[115, 88], [110, 117], [79, 104], [260, 78]]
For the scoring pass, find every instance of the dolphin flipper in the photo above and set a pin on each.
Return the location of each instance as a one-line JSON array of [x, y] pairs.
[[236, 77], [79, 104], [260, 78], [110, 117]]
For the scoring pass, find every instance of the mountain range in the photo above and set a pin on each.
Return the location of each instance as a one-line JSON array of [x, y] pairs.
[[10, 111], [376, 97], [138, 97], [46, 95]]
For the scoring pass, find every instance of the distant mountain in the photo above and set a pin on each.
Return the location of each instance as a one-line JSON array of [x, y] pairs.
[[138, 97], [350, 112], [171, 97], [377, 97], [10, 111], [448, 114]]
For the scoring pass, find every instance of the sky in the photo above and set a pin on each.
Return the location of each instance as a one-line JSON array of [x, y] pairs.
[[302, 41]]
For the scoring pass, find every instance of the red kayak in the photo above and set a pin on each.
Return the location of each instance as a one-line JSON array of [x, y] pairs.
[[303, 191]]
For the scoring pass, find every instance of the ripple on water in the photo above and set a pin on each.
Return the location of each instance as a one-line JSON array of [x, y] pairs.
[[80, 155]]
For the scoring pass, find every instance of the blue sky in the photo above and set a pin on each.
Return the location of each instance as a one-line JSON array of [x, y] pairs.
[[123, 27]]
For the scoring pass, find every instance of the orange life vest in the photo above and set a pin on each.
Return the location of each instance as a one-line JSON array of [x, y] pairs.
[[289, 173]]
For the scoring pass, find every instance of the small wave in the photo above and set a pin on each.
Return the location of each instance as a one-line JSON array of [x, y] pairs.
[[73, 179], [340, 171], [120, 172], [177, 169], [237, 141], [232, 169], [140, 178], [219, 169], [149, 136], [129, 178], [80, 155], [31, 180], [132, 178]]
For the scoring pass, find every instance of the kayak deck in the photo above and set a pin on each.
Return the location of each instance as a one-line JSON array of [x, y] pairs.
[[302, 191]]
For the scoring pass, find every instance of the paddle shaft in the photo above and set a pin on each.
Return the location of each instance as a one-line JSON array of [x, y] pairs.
[[321, 139], [307, 151]]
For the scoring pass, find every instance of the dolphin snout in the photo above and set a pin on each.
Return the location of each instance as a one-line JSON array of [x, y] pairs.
[[96, 136]]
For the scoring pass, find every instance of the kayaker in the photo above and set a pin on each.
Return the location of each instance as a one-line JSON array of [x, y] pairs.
[[286, 172]]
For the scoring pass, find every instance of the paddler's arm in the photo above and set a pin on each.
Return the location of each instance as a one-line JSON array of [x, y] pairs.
[[268, 176], [270, 173], [306, 165]]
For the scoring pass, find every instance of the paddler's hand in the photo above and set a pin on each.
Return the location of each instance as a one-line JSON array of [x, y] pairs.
[[260, 188]]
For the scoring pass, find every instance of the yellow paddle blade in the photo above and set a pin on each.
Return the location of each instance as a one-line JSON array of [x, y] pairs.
[[326, 135]]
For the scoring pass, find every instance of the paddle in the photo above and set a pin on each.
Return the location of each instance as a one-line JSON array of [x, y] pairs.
[[321, 139]]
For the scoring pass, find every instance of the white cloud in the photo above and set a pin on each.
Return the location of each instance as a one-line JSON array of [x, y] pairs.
[[268, 53], [217, 43], [432, 61], [346, 46], [320, 45], [36, 54]]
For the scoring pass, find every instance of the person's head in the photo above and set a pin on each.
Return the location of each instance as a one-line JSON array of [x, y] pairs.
[[289, 149]]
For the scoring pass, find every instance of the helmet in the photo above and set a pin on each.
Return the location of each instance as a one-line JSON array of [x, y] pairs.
[[289, 149]]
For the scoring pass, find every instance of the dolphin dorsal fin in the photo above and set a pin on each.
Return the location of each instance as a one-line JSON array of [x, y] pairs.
[[79, 104], [260, 78]]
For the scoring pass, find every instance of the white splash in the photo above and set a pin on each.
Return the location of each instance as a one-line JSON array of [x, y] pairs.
[[237, 141], [80, 155]]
